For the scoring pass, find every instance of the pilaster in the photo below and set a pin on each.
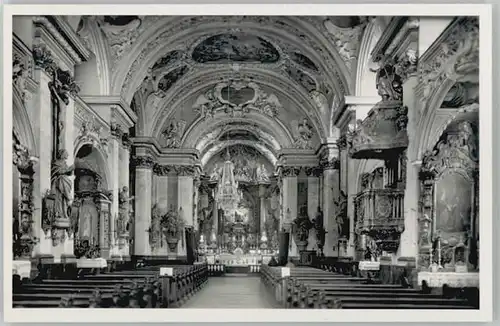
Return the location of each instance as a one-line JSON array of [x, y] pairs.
[[115, 166], [42, 117], [409, 238], [290, 209], [143, 205], [331, 189], [313, 200]]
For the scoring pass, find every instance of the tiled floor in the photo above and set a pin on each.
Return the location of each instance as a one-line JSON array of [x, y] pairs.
[[232, 291]]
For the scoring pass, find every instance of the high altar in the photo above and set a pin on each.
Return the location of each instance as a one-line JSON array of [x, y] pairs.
[[237, 235]]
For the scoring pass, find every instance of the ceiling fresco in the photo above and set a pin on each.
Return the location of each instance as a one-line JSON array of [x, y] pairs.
[[173, 76], [304, 61], [208, 67], [237, 47], [168, 59], [301, 78]]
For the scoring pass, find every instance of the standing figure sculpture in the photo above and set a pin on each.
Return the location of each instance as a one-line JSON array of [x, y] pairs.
[[61, 185], [124, 201]]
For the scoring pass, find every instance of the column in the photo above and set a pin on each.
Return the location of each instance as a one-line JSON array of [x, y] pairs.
[[143, 204], [330, 196], [290, 211], [313, 202], [185, 203], [408, 248], [263, 212], [122, 242], [115, 162], [42, 126]]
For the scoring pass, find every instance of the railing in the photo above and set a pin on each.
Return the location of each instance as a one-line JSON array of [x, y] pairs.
[[216, 269]]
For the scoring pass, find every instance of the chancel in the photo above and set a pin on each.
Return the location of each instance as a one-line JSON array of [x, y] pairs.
[[245, 162]]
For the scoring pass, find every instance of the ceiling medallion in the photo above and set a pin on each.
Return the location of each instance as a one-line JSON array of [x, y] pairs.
[[236, 98]]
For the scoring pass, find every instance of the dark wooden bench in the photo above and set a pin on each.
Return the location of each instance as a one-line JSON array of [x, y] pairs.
[[139, 288], [314, 288]]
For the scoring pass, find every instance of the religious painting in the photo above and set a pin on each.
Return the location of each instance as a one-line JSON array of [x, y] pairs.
[[88, 218], [239, 47], [453, 198]]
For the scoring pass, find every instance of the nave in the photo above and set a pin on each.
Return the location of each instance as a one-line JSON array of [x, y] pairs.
[[149, 150], [233, 291], [338, 286]]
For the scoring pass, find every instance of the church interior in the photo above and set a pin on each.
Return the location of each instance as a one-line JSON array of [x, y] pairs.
[[245, 161]]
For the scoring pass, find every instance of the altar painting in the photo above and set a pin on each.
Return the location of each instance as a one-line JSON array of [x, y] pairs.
[[453, 204]]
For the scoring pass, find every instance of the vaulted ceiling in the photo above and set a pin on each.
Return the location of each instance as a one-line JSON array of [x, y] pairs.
[[258, 80]]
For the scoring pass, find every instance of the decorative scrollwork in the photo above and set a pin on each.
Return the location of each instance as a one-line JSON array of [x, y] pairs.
[[145, 162], [455, 149]]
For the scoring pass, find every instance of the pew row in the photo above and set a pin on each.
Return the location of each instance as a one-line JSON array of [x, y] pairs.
[[145, 287], [310, 288]]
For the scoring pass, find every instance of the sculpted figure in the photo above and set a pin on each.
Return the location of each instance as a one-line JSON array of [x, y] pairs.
[[216, 173], [62, 184], [262, 175]]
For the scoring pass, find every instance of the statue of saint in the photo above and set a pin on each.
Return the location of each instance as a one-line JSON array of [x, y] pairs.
[[61, 184], [389, 83], [318, 219], [216, 173], [123, 197], [262, 173], [341, 215]]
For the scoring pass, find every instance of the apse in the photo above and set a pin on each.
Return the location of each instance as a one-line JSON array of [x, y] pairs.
[[250, 166]]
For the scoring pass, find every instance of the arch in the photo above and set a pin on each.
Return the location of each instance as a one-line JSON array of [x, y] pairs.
[[96, 163], [22, 126], [198, 82], [219, 147], [218, 135], [365, 80], [148, 49], [93, 75], [268, 126], [429, 115]]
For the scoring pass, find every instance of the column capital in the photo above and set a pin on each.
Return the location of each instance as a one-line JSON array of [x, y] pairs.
[[175, 170], [142, 162], [289, 171], [126, 141], [315, 171], [342, 142], [116, 130], [330, 164]]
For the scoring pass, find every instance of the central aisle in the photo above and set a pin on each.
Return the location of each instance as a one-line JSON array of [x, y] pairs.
[[232, 291]]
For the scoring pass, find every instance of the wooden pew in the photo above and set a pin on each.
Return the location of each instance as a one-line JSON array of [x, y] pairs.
[[313, 288], [139, 288]]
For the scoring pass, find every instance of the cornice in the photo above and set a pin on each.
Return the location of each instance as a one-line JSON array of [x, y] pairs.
[[393, 28], [434, 49], [166, 156], [70, 42], [83, 108], [72, 37], [118, 107], [297, 157]]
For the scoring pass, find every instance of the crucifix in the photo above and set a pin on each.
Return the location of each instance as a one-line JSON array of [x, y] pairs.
[[57, 123]]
